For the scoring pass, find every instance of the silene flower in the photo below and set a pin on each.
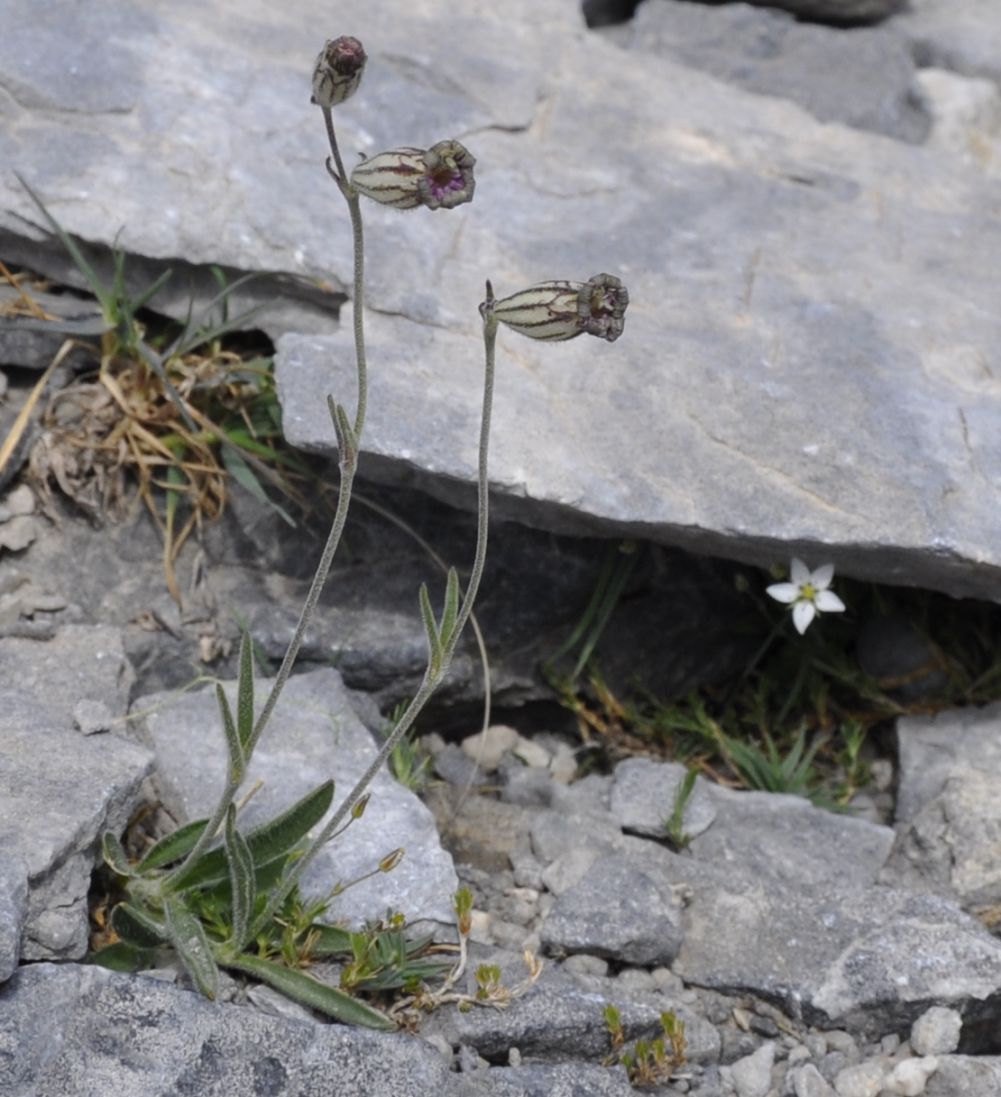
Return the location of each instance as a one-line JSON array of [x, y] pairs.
[[338, 71], [563, 310], [807, 592], [440, 177]]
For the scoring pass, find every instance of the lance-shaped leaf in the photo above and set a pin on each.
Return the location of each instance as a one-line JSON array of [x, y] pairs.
[[347, 442], [329, 940], [115, 856], [137, 927], [266, 843], [310, 992], [172, 847], [245, 691], [121, 956], [241, 878], [451, 610], [188, 937], [430, 628], [237, 761]]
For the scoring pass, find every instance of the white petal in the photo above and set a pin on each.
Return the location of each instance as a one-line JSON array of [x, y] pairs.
[[822, 577], [783, 592], [799, 572], [829, 602], [802, 614]]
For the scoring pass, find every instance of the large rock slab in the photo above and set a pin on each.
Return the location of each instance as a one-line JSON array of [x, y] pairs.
[[314, 734], [86, 1031], [805, 311], [59, 790]]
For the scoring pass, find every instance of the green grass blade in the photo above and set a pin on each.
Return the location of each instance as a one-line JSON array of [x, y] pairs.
[[243, 474], [307, 990], [173, 847], [241, 876], [104, 297], [188, 937]]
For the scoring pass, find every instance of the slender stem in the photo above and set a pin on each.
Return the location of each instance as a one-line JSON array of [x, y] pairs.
[[432, 677], [348, 458]]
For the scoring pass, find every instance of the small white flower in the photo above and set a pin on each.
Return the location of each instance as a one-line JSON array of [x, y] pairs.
[[807, 593]]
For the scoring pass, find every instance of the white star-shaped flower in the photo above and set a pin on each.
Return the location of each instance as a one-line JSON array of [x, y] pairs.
[[807, 593]]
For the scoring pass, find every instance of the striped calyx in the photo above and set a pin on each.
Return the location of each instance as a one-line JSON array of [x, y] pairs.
[[556, 311], [338, 71], [439, 178]]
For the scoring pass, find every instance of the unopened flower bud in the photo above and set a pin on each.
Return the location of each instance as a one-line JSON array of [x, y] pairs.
[[391, 860], [563, 310], [359, 809], [338, 71], [440, 177]]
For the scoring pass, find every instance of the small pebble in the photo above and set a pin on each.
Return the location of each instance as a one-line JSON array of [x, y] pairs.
[[489, 746], [752, 1075], [936, 1031], [582, 963], [860, 1080], [91, 717], [909, 1078], [809, 1082]]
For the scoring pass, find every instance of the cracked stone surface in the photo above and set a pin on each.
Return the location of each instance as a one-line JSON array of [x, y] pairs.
[[805, 314]]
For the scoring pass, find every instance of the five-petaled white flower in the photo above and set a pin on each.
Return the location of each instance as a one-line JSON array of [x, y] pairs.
[[807, 593]]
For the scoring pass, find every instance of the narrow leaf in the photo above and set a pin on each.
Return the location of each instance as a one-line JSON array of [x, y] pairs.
[[97, 287], [121, 956], [268, 842], [115, 856], [430, 628], [188, 937], [307, 990], [245, 691], [330, 940], [451, 610], [241, 876], [173, 846], [137, 927], [237, 762], [243, 474]]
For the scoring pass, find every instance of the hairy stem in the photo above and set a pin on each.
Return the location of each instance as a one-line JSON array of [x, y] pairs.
[[432, 678]]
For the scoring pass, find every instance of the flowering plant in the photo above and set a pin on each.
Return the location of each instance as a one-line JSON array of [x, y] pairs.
[[235, 903]]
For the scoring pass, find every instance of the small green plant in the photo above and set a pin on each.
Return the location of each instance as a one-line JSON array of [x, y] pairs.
[[236, 904], [409, 761], [648, 1062], [674, 824]]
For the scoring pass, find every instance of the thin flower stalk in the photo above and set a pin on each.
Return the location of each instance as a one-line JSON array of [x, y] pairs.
[[432, 676]]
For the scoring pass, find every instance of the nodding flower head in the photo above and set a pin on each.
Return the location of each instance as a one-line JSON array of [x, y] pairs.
[[556, 311], [338, 71], [439, 177]]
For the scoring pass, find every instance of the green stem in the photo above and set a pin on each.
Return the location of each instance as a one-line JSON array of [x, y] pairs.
[[348, 459], [432, 679]]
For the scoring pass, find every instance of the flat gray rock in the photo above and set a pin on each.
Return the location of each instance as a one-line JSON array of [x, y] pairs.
[[947, 811], [13, 906], [59, 792], [313, 735], [863, 77], [644, 794], [805, 311], [558, 1020], [86, 1031], [965, 1076], [79, 663], [619, 910], [556, 1080], [962, 35], [870, 960], [785, 838]]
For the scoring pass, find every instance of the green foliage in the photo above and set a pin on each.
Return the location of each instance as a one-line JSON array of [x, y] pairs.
[[409, 762], [803, 717], [647, 1062], [674, 824]]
